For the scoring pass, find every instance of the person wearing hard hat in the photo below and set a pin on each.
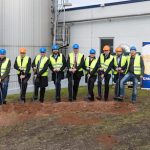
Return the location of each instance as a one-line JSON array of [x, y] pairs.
[[119, 66], [91, 74], [57, 65], [5, 66], [75, 64], [134, 73], [23, 66], [40, 69], [105, 64]]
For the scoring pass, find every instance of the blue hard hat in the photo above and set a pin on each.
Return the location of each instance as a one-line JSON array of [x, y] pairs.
[[92, 51], [75, 46], [42, 50], [55, 47], [2, 52], [132, 48]]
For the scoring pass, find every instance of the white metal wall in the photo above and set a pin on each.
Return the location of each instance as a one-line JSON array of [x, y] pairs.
[[24, 23], [125, 31], [133, 30]]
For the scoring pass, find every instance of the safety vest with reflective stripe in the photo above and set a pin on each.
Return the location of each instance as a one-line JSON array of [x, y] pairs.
[[4, 66], [72, 57], [105, 64], [22, 66], [42, 63], [123, 62], [137, 64], [56, 63], [92, 65]]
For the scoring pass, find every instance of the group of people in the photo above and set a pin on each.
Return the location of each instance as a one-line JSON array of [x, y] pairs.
[[125, 68]]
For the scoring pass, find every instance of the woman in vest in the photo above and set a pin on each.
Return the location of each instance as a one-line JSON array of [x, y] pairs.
[[135, 72], [23, 66], [105, 63], [119, 66], [75, 64], [5, 66], [91, 75], [40, 69], [57, 65]]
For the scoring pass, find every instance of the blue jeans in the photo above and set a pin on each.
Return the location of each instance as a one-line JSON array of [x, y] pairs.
[[126, 78], [3, 91], [117, 79]]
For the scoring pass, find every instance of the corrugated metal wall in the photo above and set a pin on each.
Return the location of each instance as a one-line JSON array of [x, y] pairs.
[[24, 23]]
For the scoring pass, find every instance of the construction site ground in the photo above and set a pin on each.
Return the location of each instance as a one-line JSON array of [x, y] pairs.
[[79, 125]]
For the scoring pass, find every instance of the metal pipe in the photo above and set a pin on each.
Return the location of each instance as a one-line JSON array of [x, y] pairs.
[[64, 22], [55, 21]]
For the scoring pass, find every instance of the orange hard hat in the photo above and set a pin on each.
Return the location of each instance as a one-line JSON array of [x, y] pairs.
[[106, 48], [23, 50], [118, 49]]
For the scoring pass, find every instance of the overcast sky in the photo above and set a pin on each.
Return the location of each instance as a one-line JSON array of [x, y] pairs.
[[77, 3]]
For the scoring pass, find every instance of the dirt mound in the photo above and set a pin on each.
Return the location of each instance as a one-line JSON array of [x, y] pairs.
[[107, 140], [78, 119], [14, 113]]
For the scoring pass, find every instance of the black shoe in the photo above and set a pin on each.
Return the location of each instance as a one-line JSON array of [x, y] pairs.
[[5, 102], [105, 99], [41, 100], [120, 98], [23, 99], [133, 101], [74, 99], [58, 100], [70, 99], [90, 99], [115, 98], [99, 98], [34, 99]]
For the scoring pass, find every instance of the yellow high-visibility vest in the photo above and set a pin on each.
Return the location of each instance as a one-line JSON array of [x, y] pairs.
[[92, 65], [137, 64], [4, 66], [24, 63], [42, 63], [123, 62], [105, 64], [56, 63], [72, 57]]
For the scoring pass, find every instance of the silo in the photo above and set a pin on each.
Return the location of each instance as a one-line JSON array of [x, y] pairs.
[[24, 23]]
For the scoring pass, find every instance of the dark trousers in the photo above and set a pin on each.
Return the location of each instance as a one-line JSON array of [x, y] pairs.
[[42, 93], [73, 85], [90, 83], [57, 83], [40, 83], [106, 86], [23, 86]]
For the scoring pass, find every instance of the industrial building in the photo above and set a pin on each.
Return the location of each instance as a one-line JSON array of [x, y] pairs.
[[126, 23], [24, 23], [38, 23]]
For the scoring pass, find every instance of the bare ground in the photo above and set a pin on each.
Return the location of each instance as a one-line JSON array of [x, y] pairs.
[[75, 126]]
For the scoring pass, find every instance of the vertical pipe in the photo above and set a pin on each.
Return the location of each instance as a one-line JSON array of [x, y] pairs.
[[64, 22], [55, 20]]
